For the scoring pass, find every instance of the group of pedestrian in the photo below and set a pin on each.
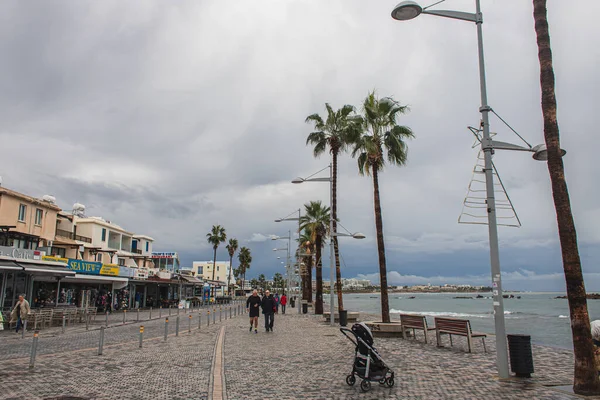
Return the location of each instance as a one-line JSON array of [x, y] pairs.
[[269, 305]]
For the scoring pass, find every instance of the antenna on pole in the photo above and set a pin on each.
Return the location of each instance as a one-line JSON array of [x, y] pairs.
[[475, 208]]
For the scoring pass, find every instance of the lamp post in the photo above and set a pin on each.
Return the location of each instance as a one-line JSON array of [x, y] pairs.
[[332, 234], [287, 249], [297, 258], [289, 238], [407, 10]]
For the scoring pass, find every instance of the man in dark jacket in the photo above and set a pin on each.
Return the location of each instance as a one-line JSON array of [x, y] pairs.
[[268, 308], [252, 309]]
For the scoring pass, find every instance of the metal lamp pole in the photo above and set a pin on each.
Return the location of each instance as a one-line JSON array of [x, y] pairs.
[[290, 242], [409, 10]]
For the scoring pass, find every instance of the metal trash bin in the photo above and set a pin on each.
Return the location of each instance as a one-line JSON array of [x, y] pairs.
[[521, 359], [343, 317], [304, 308], [293, 302]]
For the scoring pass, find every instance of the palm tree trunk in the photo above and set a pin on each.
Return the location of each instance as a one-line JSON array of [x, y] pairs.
[[319, 296], [229, 280], [338, 271], [385, 306], [214, 291], [585, 374]]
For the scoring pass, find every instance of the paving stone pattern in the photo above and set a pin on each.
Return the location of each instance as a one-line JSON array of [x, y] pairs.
[[303, 358]]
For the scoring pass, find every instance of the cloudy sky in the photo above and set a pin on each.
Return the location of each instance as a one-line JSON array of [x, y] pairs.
[[168, 117]]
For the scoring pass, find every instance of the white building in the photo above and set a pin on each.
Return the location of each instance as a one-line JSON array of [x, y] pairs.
[[204, 269], [111, 244]]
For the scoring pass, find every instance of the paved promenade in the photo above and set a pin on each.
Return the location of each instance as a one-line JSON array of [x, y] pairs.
[[303, 358]]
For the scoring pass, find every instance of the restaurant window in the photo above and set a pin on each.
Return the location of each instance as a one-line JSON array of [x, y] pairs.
[[22, 212], [38, 216]]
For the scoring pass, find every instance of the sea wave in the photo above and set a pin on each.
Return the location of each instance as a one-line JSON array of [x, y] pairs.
[[439, 314], [563, 316]]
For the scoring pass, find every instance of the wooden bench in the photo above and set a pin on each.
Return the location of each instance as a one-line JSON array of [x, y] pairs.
[[414, 322], [459, 327]]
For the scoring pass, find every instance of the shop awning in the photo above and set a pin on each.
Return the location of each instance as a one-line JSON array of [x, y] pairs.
[[51, 268], [95, 278], [65, 241], [191, 279], [7, 265]]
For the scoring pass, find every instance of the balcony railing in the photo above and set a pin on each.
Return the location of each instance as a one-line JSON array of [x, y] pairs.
[[137, 251], [67, 234]]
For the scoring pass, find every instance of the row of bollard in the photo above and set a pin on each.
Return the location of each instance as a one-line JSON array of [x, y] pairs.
[[235, 311]]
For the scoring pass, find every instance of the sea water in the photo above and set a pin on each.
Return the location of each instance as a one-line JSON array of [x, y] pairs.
[[540, 315]]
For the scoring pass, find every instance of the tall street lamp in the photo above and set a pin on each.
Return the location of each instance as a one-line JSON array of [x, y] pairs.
[[290, 218], [332, 234], [407, 10], [289, 244]]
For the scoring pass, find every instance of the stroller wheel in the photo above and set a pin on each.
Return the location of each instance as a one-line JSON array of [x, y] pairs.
[[389, 382], [365, 385], [351, 380], [382, 381]]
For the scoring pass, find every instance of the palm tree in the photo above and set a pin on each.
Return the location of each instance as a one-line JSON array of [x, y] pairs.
[[306, 246], [316, 218], [380, 135], [215, 237], [245, 259], [278, 282], [262, 281], [334, 133], [585, 376], [231, 249]]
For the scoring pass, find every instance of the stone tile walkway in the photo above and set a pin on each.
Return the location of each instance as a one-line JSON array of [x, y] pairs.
[[303, 358]]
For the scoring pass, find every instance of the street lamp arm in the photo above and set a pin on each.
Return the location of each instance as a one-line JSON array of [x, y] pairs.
[[463, 16], [497, 145]]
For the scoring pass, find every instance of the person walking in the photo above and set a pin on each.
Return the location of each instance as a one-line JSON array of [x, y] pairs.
[[276, 303], [20, 312], [268, 309], [283, 302], [253, 310]]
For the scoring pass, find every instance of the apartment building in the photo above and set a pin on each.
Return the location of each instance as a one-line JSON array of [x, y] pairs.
[[26, 222], [204, 269]]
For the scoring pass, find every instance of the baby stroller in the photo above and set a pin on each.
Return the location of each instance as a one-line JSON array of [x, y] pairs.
[[368, 364]]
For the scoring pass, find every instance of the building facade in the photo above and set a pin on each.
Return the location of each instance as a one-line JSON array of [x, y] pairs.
[[204, 270], [26, 222]]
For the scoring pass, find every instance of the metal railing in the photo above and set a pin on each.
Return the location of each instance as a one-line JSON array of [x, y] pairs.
[[70, 235], [120, 328]]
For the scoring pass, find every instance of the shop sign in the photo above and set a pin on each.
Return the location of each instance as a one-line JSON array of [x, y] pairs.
[[126, 272], [23, 254], [79, 266], [110, 269], [164, 255], [140, 273]]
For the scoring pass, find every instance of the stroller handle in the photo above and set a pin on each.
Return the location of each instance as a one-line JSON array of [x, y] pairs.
[[347, 332]]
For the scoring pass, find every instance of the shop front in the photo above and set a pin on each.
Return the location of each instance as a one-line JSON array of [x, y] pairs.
[[29, 276], [92, 284]]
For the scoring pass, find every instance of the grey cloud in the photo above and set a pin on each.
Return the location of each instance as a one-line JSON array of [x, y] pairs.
[[169, 117]]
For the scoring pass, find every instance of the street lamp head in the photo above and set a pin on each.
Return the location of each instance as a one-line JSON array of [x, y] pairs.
[[540, 152], [406, 10], [278, 220], [358, 235], [297, 180]]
